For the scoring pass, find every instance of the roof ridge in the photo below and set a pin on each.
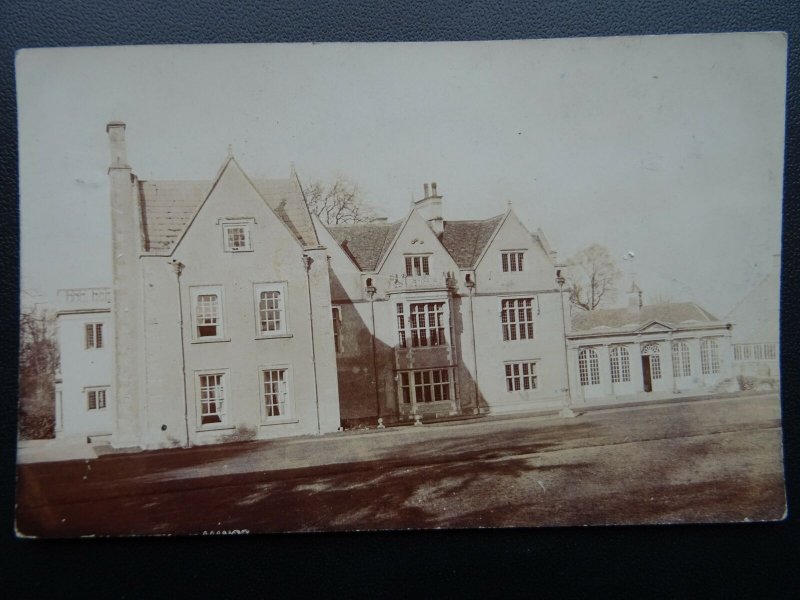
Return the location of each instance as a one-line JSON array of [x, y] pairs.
[[474, 220]]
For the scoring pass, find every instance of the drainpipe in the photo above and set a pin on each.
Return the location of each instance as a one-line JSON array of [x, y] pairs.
[[178, 267], [471, 285], [560, 280], [307, 261], [371, 289]]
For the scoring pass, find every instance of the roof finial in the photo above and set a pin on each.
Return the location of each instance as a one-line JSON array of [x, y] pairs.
[[230, 150], [292, 170], [509, 204]]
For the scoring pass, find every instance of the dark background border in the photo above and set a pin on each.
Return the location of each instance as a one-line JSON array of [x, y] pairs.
[[758, 560]]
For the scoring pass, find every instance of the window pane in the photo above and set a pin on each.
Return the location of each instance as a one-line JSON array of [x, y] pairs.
[[207, 314]]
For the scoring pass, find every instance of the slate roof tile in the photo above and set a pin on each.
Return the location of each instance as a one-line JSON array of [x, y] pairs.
[[466, 240], [365, 242], [630, 319]]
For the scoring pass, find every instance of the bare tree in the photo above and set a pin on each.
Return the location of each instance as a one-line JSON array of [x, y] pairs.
[[38, 364], [339, 203], [592, 277]]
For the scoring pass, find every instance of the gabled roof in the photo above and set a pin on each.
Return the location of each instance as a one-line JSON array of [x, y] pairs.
[[366, 243], [167, 208], [674, 314], [466, 240]]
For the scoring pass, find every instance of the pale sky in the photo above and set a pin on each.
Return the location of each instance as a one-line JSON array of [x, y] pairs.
[[670, 147]]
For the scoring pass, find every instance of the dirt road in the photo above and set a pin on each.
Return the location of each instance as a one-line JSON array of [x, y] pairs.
[[704, 461]]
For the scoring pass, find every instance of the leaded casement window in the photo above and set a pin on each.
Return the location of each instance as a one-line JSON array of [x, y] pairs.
[[521, 376], [270, 299], [427, 324], [588, 367], [620, 364], [401, 325], [207, 313], [709, 356], [94, 335], [429, 385], [417, 265], [654, 352], [337, 328], [511, 261], [96, 398], [236, 237], [212, 398], [275, 393], [681, 366], [516, 316]]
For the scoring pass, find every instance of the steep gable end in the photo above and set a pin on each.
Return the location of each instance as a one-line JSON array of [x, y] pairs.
[[168, 207]]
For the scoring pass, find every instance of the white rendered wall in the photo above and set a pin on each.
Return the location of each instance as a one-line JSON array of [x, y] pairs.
[[83, 368]]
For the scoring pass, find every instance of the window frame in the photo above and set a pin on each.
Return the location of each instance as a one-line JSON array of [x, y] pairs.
[[96, 390], [208, 290], [412, 381], [432, 310], [244, 224], [510, 330], [683, 367], [710, 363], [225, 414], [518, 261], [517, 380], [619, 358], [588, 367], [424, 264], [273, 286], [96, 326], [289, 414]]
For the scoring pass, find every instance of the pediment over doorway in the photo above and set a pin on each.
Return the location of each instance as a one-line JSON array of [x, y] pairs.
[[654, 326]]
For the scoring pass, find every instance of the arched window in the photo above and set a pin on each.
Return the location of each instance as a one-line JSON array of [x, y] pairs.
[[588, 367], [709, 356], [680, 360], [654, 352], [620, 364]]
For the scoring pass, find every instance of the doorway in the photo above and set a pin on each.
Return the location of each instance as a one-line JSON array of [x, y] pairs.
[[647, 374]]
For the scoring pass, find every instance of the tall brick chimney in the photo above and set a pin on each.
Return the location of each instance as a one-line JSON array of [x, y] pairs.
[[125, 241], [430, 208]]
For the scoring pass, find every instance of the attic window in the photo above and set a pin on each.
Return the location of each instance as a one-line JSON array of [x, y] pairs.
[[512, 261], [236, 237]]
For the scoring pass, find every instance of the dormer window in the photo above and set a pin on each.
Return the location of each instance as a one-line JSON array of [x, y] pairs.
[[236, 237], [417, 265], [512, 260]]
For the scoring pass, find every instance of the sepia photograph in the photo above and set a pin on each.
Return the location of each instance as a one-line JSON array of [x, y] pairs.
[[385, 286]]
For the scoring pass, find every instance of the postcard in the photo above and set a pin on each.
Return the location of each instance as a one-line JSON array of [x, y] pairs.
[[325, 287]]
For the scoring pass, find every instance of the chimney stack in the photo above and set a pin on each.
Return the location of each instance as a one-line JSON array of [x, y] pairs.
[[116, 139], [430, 208]]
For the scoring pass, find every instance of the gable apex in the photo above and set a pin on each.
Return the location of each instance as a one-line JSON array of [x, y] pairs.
[[168, 208], [655, 326]]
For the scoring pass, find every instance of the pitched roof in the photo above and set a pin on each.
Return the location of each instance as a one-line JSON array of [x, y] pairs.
[[365, 242], [465, 240], [673, 314], [167, 208]]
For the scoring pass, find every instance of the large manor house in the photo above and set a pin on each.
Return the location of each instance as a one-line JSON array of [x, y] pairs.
[[234, 313]]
